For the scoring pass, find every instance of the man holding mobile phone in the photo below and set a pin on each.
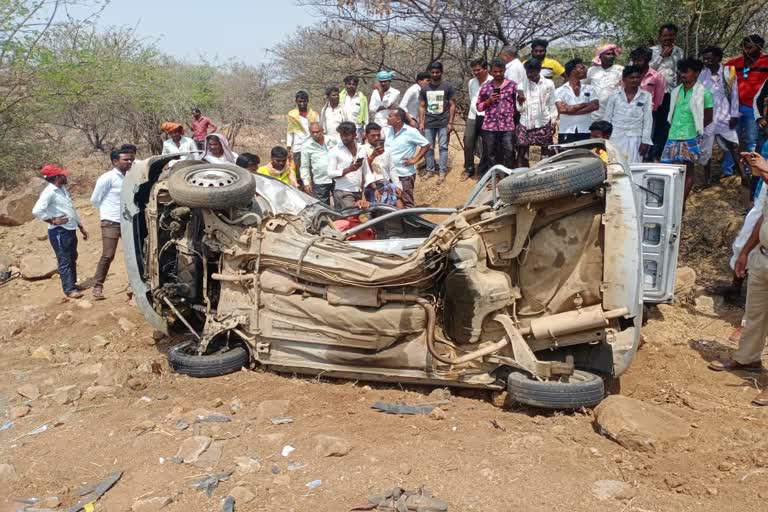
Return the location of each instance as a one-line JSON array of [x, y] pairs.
[[497, 99], [348, 166]]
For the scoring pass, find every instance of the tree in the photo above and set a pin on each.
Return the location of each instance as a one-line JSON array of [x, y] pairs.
[[243, 96]]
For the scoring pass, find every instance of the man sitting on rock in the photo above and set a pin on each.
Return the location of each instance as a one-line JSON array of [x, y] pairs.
[[55, 207]]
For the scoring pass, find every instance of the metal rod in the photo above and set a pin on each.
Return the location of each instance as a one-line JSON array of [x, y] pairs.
[[183, 320]]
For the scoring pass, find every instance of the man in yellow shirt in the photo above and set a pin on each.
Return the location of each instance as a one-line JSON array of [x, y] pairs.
[[550, 68], [278, 167]]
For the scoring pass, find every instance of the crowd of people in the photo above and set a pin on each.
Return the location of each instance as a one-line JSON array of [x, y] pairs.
[[661, 106]]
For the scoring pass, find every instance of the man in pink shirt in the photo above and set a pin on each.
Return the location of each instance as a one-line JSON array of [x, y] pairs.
[[200, 126], [651, 81]]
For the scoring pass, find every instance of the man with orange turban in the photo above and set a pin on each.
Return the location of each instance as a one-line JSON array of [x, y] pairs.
[[177, 142]]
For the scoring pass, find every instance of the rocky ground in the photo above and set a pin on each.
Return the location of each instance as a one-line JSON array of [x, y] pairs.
[[85, 392]]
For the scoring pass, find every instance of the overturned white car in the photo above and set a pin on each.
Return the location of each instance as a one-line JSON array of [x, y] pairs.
[[534, 286]]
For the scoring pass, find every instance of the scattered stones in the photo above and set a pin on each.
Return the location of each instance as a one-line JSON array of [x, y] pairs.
[[242, 495], [19, 411], [638, 425], [726, 466], [126, 325], [217, 402], [99, 342], [50, 502], [8, 473], [150, 504], [271, 409], [191, 448], [405, 468], [437, 414], [440, 394], [42, 353], [158, 335], [616, 489], [685, 280], [65, 317], [247, 465], [41, 265], [30, 391], [66, 394], [712, 491], [331, 446], [90, 369], [235, 406]]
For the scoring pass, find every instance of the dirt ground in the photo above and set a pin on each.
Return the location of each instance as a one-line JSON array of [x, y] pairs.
[[480, 457]]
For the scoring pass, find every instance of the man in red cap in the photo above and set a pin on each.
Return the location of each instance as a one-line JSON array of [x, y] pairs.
[[55, 207]]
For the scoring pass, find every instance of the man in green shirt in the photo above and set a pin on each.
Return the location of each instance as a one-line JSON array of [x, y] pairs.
[[690, 112]]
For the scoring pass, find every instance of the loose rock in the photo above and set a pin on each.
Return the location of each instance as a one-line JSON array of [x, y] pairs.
[[242, 495], [638, 425], [136, 384], [150, 504], [210, 457], [330, 446], [66, 394], [271, 409], [707, 305], [30, 391], [247, 465], [126, 325], [19, 411], [84, 304], [685, 280], [42, 353], [99, 393], [607, 489], [38, 266], [437, 414], [16, 209], [191, 449]]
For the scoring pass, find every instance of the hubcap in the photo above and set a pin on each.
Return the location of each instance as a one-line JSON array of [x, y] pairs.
[[212, 178]]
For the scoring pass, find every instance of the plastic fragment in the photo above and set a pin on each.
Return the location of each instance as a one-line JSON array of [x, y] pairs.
[[393, 408]]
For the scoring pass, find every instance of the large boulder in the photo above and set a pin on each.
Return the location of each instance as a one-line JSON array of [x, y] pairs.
[[16, 209], [637, 425], [38, 266]]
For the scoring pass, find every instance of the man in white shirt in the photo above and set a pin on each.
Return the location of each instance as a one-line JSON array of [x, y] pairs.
[[515, 70], [410, 100], [630, 112], [383, 97], [55, 207], [333, 114], [538, 113], [314, 165], [604, 75], [356, 103], [177, 142], [106, 198], [386, 186], [348, 166], [575, 103], [474, 126]]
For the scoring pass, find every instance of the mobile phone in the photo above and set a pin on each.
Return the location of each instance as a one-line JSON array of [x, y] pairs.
[[496, 90], [380, 144], [359, 161]]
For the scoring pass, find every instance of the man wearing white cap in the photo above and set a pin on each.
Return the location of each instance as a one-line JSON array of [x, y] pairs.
[[55, 207], [383, 97]]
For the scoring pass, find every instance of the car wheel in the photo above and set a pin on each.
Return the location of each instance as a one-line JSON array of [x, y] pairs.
[[552, 181], [183, 358], [583, 389], [215, 186]]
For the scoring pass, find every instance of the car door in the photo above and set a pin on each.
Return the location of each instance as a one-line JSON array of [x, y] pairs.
[[659, 199]]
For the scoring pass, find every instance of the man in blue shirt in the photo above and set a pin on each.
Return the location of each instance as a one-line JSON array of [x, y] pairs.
[[55, 207], [406, 146]]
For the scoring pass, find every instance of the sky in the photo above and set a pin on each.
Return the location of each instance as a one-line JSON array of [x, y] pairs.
[[218, 29]]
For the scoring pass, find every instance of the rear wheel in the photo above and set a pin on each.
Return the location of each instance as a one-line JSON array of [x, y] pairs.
[[583, 389], [215, 186], [220, 359]]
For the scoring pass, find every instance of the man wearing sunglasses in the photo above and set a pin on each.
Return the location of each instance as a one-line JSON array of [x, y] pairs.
[[751, 72]]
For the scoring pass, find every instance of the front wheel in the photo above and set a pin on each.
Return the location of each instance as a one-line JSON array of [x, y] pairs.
[[583, 389], [221, 360]]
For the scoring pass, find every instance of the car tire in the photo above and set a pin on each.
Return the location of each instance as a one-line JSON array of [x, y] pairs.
[[584, 389], [214, 186], [182, 359], [552, 180]]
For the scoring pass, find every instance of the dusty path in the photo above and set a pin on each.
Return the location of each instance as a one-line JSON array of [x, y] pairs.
[[478, 458]]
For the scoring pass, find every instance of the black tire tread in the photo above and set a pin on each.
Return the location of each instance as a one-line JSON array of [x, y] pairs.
[[239, 194], [567, 177], [556, 395], [205, 366]]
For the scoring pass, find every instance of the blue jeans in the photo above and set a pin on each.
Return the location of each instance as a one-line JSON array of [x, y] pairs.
[[64, 243], [748, 126], [441, 135]]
